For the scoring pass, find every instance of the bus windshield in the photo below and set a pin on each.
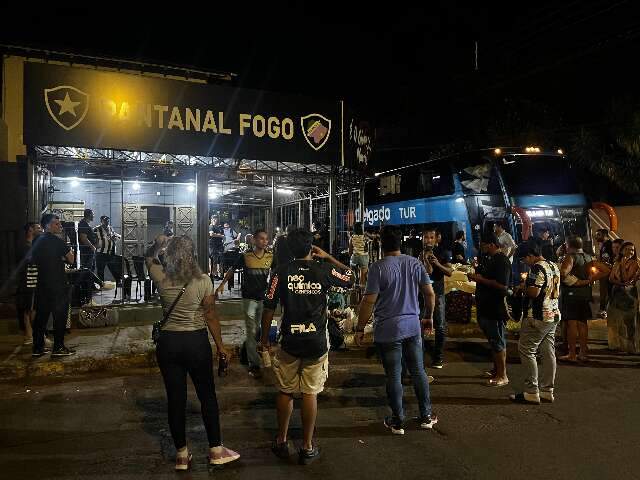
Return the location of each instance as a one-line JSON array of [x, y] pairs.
[[537, 175]]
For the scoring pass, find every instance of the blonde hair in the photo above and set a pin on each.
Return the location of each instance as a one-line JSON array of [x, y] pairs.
[[180, 261]]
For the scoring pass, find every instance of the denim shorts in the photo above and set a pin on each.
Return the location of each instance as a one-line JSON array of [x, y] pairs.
[[359, 260], [495, 331]]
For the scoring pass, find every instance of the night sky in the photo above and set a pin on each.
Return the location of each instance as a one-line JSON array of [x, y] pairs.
[[411, 70]]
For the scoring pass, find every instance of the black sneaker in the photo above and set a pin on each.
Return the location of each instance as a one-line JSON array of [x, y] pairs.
[[40, 353], [280, 450], [255, 372], [308, 456], [437, 364], [62, 352], [394, 425], [427, 423]]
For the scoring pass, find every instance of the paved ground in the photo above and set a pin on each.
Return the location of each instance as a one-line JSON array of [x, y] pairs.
[[113, 425]]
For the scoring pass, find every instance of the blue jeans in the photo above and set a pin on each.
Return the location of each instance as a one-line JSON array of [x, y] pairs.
[[392, 354], [253, 319]]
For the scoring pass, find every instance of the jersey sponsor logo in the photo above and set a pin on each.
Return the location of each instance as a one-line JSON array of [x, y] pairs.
[[302, 328], [342, 276], [272, 288], [298, 285]]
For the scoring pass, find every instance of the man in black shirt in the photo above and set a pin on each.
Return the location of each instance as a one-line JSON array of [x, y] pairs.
[[88, 241], [492, 280], [413, 245], [52, 293], [458, 248], [301, 365], [281, 251], [546, 245], [437, 261]]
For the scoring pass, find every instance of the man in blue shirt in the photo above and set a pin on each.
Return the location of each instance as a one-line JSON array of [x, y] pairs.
[[392, 289]]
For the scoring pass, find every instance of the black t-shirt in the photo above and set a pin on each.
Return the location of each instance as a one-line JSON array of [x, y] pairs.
[[282, 253], [489, 300], [606, 252], [47, 254], [458, 251], [413, 247], [255, 274], [216, 243], [321, 239], [84, 227], [548, 252], [437, 276], [302, 287]]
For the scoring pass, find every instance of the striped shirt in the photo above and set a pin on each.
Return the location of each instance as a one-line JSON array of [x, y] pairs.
[[106, 244], [359, 243]]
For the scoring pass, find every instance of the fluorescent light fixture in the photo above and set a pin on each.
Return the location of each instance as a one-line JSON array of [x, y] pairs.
[[540, 213], [284, 191]]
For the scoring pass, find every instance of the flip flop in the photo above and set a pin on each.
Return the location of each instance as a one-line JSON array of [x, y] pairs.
[[493, 382]]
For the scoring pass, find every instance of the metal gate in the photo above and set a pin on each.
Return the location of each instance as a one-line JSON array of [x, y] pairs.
[[134, 230], [185, 220]]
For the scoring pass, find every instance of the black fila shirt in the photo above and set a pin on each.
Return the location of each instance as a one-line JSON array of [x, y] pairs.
[[302, 287]]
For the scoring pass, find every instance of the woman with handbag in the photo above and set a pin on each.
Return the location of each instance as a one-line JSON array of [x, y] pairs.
[[183, 344]]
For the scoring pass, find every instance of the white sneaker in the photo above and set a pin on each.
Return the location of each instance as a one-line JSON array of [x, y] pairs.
[[396, 428], [547, 397], [222, 455]]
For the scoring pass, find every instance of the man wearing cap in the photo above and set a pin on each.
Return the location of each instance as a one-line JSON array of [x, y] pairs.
[[537, 334], [492, 280]]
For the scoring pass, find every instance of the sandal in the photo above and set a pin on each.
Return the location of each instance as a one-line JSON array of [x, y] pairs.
[[568, 358], [495, 382]]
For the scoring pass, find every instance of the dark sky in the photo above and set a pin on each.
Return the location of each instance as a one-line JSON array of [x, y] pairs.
[[410, 67]]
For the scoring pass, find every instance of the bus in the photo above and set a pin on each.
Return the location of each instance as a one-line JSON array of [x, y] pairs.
[[525, 189]]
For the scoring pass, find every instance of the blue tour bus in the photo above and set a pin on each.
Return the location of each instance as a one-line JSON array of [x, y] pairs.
[[524, 189]]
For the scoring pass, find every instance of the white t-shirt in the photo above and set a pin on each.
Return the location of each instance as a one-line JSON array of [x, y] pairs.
[[506, 244]]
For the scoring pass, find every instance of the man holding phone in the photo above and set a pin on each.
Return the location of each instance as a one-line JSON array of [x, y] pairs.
[[437, 262]]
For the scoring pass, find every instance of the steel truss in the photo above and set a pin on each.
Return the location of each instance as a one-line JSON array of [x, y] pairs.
[[242, 171]]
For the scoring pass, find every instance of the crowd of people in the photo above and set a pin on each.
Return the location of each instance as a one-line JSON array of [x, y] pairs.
[[402, 295]]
